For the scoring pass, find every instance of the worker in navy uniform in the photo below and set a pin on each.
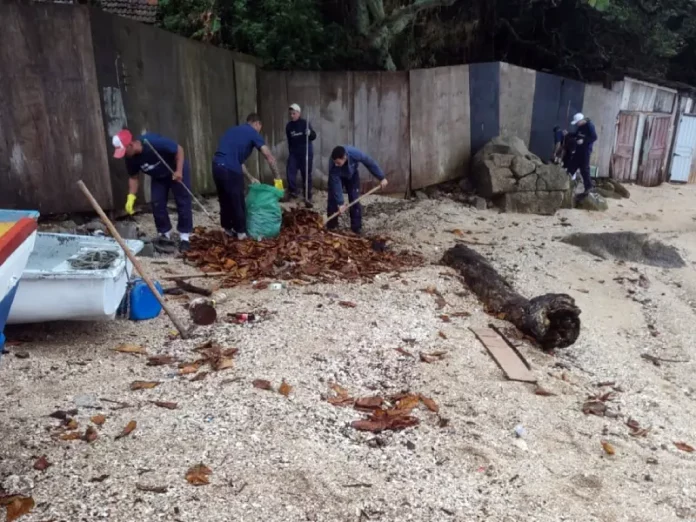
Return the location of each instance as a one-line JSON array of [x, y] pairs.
[[344, 174], [234, 147], [300, 136], [585, 137], [140, 157]]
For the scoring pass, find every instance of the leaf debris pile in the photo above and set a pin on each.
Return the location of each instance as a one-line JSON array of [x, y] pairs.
[[303, 249], [384, 413]]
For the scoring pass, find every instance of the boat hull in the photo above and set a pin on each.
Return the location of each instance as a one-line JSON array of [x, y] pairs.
[[51, 290], [16, 244]]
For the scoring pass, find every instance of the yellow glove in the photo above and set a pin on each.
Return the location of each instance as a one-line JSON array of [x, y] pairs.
[[130, 202]]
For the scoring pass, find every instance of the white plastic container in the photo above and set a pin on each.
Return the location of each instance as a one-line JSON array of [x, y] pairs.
[[51, 290]]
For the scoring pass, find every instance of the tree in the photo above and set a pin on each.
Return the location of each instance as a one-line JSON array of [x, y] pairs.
[[380, 26]]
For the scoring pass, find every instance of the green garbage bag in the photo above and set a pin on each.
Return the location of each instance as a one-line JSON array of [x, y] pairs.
[[263, 211]]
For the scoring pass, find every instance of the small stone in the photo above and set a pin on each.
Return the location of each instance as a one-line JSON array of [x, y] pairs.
[[148, 250], [410, 445], [420, 195], [21, 355]]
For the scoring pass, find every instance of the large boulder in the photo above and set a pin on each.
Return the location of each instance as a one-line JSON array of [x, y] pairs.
[[516, 180]]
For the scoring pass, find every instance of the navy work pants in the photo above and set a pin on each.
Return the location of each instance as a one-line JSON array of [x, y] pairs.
[[581, 160], [352, 187], [159, 195], [230, 189], [296, 161]]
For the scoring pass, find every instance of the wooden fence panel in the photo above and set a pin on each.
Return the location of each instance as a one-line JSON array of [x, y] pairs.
[[439, 122], [51, 130], [273, 108], [381, 126], [336, 117], [304, 88]]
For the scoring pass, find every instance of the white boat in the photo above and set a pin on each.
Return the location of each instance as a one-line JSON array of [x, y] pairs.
[[17, 236], [58, 286]]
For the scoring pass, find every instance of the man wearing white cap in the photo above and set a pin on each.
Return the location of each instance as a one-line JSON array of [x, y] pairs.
[[585, 136], [300, 136], [147, 154]]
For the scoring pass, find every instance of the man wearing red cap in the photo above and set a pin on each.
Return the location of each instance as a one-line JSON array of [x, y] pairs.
[[148, 154]]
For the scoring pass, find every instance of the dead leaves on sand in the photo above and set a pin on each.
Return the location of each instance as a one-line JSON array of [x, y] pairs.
[[199, 475], [304, 249], [130, 428], [17, 506], [384, 413]]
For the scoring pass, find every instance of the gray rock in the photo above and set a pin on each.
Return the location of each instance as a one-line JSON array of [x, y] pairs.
[[544, 187], [148, 250], [593, 202], [502, 160], [521, 166], [127, 229], [479, 203], [528, 183], [95, 226], [420, 195], [466, 185], [544, 203]]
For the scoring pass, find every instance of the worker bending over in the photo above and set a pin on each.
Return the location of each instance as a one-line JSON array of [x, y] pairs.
[[141, 157], [585, 136], [300, 136], [343, 173], [235, 146]]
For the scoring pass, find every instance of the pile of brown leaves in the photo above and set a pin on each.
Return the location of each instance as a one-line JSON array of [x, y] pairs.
[[303, 248], [390, 413]]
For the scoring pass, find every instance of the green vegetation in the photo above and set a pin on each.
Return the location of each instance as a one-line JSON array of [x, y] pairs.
[[587, 39]]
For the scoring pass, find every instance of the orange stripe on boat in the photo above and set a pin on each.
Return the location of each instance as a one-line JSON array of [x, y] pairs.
[[14, 235]]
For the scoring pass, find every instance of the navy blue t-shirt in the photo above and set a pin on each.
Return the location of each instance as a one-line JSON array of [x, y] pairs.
[[295, 131], [148, 162], [236, 145]]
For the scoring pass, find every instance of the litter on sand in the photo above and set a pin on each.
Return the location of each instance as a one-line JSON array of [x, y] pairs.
[[303, 249]]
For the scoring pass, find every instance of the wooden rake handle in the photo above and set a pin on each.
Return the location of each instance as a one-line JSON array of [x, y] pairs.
[[336, 214], [97, 208]]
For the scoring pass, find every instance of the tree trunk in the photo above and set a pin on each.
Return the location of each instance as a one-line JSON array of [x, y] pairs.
[[551, 319]]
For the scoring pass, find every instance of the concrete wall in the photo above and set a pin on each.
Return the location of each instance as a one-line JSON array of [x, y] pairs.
[[440, 124], [517, 86], [51, 131]]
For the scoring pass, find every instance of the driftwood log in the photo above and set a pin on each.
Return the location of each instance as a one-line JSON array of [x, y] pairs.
[[551, 319]]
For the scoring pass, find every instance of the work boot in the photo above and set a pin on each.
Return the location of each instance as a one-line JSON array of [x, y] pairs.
[[308, 204], [288, 197], [241, 236], [231, 232], [184, 246]]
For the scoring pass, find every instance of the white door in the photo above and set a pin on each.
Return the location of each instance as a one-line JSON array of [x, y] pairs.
[[684, 149]]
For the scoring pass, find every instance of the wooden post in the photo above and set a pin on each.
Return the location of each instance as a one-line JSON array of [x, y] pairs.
[[109, 225]]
